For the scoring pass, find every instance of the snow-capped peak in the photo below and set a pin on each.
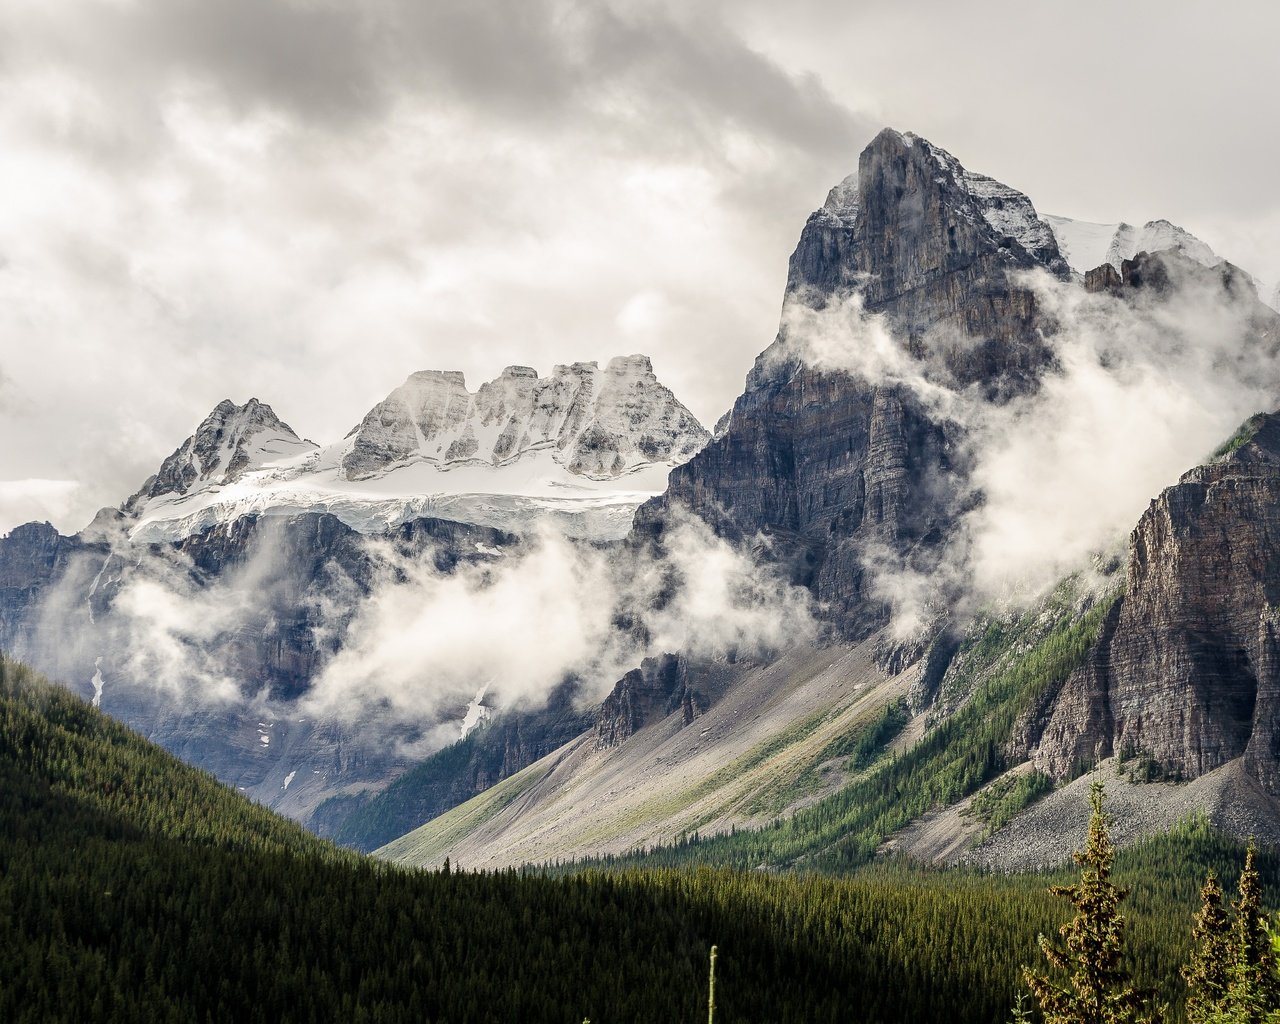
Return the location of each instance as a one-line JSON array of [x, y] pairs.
[[230, 442], [599, 424], [1085, 245], [579, 450]]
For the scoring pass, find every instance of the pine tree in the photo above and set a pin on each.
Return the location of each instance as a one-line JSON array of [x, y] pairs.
[[1098, 989], [1253, 994], [1208, 972]]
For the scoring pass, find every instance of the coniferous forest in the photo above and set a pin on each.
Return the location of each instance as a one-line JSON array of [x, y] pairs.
[[136, 888]]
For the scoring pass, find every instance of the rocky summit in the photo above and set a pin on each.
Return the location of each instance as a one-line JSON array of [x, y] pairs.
[[828, 463], [599, 424]]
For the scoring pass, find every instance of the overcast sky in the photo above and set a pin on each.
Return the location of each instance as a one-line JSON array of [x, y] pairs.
[[306, 201]]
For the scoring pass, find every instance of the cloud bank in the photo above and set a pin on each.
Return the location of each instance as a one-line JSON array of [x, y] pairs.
[[1142, 391]]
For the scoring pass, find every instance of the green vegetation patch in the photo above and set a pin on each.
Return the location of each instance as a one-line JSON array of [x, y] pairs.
[[954, 759], [1243, 435], [999, 803]]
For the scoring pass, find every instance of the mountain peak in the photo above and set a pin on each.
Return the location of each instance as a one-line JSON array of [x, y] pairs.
[[1086, 245], [913, 213], [597, 424], [229, 442]]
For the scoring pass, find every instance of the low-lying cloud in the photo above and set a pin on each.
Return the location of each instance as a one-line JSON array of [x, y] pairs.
[[398, 642], [1142, 391], [424, 643]]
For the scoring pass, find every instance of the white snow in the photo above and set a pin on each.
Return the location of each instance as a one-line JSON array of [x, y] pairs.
[[289, 778], [569, 450], [1082, 244], [93, 587], [1085, 245], [507, 497], [1008, 211], [98, 681], [477, 712]]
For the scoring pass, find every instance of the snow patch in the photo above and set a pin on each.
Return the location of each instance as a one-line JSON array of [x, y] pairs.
[[477, 713], [1085, 245]]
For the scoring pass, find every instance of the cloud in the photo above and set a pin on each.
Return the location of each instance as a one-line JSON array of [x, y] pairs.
[[424, 643], [1143, 389], [399, 644]]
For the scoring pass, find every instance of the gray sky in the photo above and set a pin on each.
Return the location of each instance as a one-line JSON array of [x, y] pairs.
[[306, 200]]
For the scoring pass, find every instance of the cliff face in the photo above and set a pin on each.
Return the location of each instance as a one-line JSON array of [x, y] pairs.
[[646, 694], [1187, 671], [831, 467]]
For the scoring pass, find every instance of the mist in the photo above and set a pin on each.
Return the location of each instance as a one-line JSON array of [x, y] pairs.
[[424, 643], [1141, 391]]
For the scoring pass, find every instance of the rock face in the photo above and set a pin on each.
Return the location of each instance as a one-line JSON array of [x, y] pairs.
[[830, 467], [645, 694], [595, 423], [1187, 670]]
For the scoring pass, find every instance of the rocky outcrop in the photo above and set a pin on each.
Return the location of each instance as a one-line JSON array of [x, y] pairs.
[[1188, 674], [659, 687], [831, 469], [596, 423]]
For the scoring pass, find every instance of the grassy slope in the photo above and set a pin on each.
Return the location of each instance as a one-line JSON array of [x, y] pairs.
[[789, 733], [998, 673]]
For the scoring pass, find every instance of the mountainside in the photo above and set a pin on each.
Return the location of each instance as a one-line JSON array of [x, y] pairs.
[[1187, 671], [578, 450]]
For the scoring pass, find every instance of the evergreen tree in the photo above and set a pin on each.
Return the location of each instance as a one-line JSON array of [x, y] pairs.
[[1098, 988], [1253, 994], [1208, 972]]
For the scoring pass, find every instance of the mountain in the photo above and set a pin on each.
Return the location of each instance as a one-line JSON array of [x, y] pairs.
[[826, 463], [579, 449], [1196, 630], [875, 696], [205, 607], [829, 463]]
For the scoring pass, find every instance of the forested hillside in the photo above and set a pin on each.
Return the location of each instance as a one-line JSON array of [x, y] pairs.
[[135, 888]]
